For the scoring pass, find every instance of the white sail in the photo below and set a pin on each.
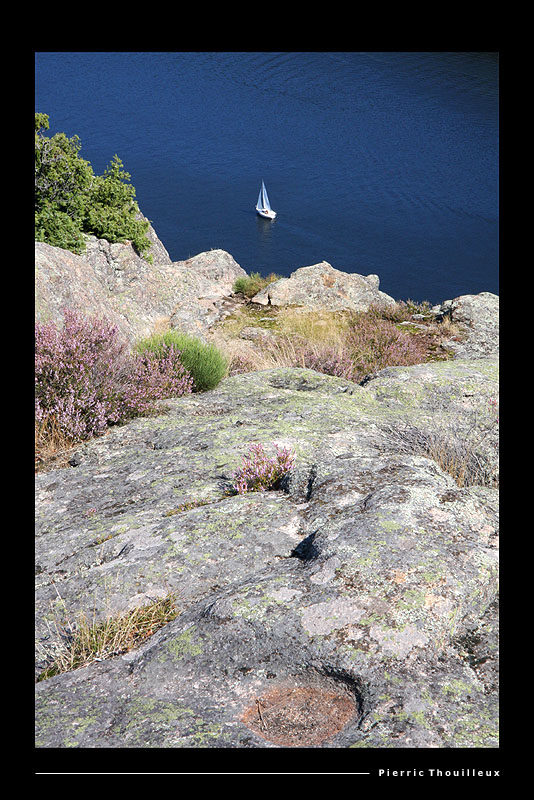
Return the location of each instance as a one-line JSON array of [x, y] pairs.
[[266, 203]]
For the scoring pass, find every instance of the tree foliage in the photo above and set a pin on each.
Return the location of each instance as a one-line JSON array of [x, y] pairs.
[[71, 200]]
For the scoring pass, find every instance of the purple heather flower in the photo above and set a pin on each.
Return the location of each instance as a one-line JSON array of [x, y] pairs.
[[86, 378], [260, 472]]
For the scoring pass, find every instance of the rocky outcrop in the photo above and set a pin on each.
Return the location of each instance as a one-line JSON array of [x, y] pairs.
[[112, 280], [356, 606], [477, 316], [364, 590], [322, 286]]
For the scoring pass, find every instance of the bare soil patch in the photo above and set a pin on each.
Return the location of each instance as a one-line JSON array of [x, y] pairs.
[[301, 716]]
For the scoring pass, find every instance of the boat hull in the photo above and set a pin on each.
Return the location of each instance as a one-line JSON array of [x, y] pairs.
[[266, 214]]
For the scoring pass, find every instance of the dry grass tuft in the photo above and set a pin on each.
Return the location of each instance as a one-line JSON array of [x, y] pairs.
[[317, 327], [469, 454], [86, 641], [52, 448]]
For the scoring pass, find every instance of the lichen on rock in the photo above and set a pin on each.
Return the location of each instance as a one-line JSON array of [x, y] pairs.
[[364, 571], [354, 606]]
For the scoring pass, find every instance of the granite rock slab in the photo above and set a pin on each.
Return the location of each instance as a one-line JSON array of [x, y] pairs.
[[369, 578]]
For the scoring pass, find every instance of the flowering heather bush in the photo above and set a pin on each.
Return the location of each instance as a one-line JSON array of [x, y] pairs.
[[77, 370], [154, 377], [331, 361], [86, 379], [260, 472], [375, 343]]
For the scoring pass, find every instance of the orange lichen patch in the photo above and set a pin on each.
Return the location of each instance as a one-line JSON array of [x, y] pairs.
[[398, 576], [328, 280], [300, 717]]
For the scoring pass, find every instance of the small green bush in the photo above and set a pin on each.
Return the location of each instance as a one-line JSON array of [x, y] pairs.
[[204, 362], [253, 283]]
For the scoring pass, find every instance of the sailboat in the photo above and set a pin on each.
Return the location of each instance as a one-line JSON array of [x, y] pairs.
[[263, 207]]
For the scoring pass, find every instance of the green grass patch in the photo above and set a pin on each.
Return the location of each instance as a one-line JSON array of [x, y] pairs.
[[253, 283], [205, 362]]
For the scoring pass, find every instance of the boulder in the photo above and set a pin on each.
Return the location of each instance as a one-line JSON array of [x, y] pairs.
[[355, 606], [322, 286], [119, 264], [206, 281], [477, 316], [112, 280], [66, 280]]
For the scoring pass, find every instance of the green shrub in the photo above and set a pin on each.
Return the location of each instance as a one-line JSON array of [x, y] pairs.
[[204, 362], [111, 211], [58, 229], [253, 283], [71, 200]]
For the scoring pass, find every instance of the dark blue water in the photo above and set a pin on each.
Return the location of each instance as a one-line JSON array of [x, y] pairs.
[[381, 163]]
